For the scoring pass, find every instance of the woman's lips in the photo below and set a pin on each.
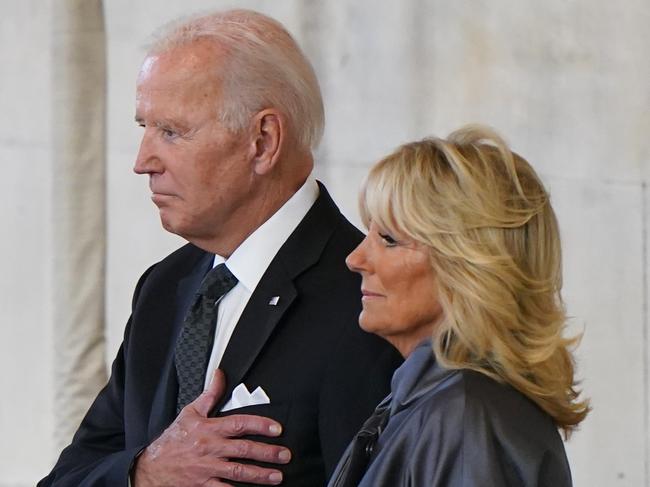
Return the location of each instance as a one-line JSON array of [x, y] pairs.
[[366, 294]]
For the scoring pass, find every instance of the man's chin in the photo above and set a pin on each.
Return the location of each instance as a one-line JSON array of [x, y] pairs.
[[173, 225], [168, 223]]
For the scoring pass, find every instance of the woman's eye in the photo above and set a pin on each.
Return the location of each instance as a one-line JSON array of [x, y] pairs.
[[388, 240]]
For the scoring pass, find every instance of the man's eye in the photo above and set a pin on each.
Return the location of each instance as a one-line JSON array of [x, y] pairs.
[[168, 133], [388, 240]]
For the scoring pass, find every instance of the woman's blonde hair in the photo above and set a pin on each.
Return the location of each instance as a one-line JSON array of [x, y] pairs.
[[495, 247]]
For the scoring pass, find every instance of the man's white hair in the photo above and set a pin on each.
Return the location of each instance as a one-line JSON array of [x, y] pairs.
[[264, 67]]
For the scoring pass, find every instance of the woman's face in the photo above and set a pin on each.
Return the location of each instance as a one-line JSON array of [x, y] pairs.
[[399, 289]]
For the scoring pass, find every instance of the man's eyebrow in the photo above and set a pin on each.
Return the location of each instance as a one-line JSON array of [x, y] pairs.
[[174, 124], [164, 123]]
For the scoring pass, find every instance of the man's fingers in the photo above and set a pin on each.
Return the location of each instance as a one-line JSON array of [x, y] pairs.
[[245, 424], [209, 398], [216, 483], [253, 450], [245, 473]]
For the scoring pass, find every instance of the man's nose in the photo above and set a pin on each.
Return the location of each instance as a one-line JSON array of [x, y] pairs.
[[147, 161]]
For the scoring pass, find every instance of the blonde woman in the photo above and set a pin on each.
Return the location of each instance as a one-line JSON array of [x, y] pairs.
[[461, 272]]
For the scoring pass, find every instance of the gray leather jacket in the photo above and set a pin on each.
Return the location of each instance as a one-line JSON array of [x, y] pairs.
[[459, 428]]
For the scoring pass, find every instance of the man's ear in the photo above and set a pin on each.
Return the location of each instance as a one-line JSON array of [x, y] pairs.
[[270, 127]]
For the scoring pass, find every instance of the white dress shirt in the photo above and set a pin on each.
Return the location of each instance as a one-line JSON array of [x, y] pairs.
[[249, 262]]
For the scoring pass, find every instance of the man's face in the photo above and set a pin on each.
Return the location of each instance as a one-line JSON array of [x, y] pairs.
[[200, 174]]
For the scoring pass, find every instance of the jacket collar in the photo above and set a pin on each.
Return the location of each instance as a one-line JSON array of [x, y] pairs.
[[417, 376], [301, 251]]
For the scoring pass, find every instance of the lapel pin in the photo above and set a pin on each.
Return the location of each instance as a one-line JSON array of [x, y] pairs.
[[274, 300]]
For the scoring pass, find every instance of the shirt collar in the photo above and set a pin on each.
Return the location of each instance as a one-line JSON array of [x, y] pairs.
[[250, 260]]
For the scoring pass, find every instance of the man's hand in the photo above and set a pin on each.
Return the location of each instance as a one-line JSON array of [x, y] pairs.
[[196, 450]]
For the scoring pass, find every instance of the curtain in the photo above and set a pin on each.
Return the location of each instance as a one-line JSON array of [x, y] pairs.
[[78, 208]]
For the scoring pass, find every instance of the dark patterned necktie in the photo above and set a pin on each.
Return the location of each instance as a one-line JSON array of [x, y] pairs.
[[195, 341], [360, 452]]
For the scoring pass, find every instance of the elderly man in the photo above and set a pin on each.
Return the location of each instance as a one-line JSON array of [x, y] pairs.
[[230, 110]]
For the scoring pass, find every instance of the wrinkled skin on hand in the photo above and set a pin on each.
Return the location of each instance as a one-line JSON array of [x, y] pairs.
[[196, 450]]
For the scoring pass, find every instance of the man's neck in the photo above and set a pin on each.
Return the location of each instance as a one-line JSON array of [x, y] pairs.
[[230, 237]]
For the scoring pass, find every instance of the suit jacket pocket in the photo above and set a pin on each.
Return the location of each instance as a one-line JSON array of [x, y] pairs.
[[277, 411]]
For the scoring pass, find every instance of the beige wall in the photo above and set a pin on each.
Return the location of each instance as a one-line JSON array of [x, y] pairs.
[[567, 83]]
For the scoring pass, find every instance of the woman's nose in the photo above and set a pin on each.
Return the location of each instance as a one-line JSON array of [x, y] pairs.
[[356, 260]]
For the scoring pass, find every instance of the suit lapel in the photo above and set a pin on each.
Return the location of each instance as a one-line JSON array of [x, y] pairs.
[[301, 251], [254, 328], [163, 409]]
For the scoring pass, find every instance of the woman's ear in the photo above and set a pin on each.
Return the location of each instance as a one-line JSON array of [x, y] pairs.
[[269, 140]]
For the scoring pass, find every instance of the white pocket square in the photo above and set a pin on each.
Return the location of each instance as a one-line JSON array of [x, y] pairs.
[[241, 397]]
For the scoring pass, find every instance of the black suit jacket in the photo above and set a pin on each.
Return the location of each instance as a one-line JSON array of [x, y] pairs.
[[322, 373]]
